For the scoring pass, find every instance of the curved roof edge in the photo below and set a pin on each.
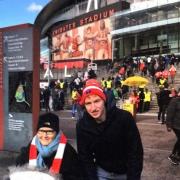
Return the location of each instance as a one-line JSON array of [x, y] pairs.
[[49, 10]]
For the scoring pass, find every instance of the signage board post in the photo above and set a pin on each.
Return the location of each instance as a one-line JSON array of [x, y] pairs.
[[19, 85]]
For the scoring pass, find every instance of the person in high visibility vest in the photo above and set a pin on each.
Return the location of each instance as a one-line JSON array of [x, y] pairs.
[[75, 98], [103, 83], [61, 84], [109, 83], [49, 150], [147, 99], [162, 82]]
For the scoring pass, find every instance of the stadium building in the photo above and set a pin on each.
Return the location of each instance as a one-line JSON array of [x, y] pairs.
[[76, 32], [148, 28]]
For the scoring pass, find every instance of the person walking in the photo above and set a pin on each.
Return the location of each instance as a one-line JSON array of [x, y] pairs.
[[134, 99], [164, 99], [75, 98], [141, 100], [47, 94], [49, 149], [147, 99], [108, 140], [172, 72], [173, 123]]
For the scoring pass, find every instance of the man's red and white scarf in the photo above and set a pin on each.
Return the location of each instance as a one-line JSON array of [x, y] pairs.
[[57, 161]]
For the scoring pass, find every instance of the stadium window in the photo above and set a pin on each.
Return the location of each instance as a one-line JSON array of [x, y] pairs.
[[112, 1]]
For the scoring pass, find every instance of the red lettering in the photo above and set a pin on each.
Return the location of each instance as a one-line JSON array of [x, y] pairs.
[[111, 12], [54, 33], [70, 26], [95, 17], [100, 16], [90, 19], [81, 22], [86, 20], [105, 14], [67, 26], [74, 24], [60, 29]]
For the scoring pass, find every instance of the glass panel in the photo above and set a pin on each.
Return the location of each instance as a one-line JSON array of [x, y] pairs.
[[111, 1], [173, 41], [173, 13], [20, 92], [161, 15]]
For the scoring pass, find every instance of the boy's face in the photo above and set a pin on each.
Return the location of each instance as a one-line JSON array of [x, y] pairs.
[[95, 106]]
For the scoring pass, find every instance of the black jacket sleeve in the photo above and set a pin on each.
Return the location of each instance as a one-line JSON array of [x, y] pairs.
[[23, 157], [171, 111], [71, 167], [85, 156], [135, 150]]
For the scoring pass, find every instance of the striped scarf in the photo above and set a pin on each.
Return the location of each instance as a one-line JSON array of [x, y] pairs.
[[57, 161]]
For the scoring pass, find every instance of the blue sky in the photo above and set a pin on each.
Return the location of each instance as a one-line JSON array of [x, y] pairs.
[[14, 12]]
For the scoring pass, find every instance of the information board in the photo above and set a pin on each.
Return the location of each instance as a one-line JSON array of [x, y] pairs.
[[19, 85]]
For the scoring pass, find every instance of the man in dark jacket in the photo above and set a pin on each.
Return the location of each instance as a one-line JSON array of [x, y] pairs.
[[164, 99], [108, 140], [173, 123], [50, 150]]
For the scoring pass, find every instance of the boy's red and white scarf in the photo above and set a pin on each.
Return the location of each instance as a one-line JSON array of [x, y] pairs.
[[57, 161]]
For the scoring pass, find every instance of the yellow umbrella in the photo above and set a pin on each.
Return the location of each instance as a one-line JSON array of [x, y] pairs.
[[136, 81]]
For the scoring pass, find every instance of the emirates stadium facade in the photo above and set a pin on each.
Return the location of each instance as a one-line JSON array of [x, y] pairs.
[[73, 35], [75, 32]]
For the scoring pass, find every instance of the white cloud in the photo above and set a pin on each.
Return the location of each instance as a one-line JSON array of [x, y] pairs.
[[33, 7]]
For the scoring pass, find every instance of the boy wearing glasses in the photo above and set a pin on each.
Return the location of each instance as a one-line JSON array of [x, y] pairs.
[[50, 150]]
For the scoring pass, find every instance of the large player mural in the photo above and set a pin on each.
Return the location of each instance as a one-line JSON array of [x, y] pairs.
[[91, 41], [87, 36]]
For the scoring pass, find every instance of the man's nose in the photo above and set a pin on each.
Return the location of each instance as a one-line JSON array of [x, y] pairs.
[[93, 106]]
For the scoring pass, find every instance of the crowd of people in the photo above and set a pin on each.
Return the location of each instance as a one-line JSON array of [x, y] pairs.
[[161, 71], [102, 151], [108, 142]]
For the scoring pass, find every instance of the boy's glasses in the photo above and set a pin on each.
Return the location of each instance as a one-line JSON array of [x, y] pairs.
[[46, 132]]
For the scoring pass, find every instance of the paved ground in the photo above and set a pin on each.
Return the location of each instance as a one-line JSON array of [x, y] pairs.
[[157, 143]]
